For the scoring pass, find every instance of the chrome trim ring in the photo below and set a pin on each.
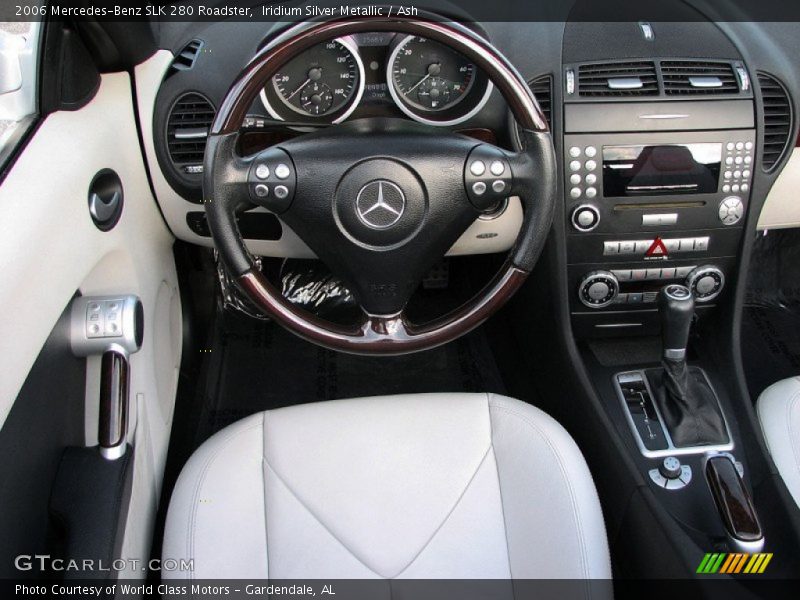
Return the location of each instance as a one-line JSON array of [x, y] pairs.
[[348, 43]]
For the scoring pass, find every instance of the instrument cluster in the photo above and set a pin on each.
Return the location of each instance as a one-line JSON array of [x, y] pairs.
[[364, 74]]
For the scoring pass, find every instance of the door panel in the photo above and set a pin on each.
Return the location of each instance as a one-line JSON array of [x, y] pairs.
[[50, 249]]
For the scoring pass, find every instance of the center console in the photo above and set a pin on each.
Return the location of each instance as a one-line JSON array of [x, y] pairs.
[[649, 208]]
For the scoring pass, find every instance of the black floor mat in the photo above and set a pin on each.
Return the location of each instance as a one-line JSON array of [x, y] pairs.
[[254, 366], [770, 345]]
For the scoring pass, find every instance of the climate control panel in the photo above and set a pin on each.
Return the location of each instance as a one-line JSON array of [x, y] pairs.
[[618, 287]]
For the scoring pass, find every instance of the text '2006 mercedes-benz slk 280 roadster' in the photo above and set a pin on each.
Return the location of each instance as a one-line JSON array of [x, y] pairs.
[[423, 300]]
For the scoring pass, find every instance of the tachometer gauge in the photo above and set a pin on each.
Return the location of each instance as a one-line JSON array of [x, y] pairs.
[[431, 76], [324, 81], [433, 83]]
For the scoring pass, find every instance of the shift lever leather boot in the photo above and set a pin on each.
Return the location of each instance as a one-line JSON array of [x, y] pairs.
[[686, 401]]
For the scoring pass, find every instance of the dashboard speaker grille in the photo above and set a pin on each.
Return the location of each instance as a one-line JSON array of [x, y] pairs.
[[633, 78], [777, 120], [187, 130], [542, 88], [698, 78]]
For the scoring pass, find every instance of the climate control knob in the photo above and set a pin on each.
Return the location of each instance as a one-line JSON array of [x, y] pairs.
[[706, 283], [598, 289], [586, 217]]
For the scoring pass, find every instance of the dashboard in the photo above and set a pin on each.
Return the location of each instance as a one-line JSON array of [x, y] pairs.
[[672, 139]]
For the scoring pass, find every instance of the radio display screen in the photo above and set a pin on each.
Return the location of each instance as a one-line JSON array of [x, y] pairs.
[[642, 170]]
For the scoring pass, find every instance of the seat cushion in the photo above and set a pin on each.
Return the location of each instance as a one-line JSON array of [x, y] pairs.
[[779, 412], [416, 486]]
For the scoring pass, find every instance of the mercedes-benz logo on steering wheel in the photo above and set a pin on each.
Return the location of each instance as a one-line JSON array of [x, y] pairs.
[[380, 204]]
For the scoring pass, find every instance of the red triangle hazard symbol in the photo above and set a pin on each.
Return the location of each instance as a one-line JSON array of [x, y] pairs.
[[657, 248]]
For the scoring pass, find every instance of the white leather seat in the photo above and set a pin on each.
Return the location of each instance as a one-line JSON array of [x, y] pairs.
[[779, 413], [455, 486]]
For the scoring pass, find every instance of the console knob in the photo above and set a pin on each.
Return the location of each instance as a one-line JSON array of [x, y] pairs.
[[586, 217], [731, 210], [706, 283], [598, 289], [670, 468]]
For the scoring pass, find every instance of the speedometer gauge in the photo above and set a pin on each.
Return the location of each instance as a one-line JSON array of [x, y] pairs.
[[324, 81], [430, 76]]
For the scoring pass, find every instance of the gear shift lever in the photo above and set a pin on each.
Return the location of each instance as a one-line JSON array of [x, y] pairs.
[[688, 404], [676, 308]]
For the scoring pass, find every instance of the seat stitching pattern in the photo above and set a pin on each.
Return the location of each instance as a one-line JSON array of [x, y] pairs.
[[447, 516], [427, 543], [314, 516], [499, 485], [562, 468], [264, 487], [789, 408], [198, 486]]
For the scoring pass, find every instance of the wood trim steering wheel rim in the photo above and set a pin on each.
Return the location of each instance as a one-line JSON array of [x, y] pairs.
[[393, 334]]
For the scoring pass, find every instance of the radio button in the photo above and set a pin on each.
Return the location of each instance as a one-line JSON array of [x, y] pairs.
[[748, 159], [729, 161], [701, 244], [591, 179], [574, 152], [681, 272], [638, 274], [672, 245], [738, 160], [748, 145], [745, 187], [653, 274], [575, 165], [668, 273], [591, 151], [591, 192], [728, 175], [726, 188], [729, 146], [623, 275], [735, 188], [746, 174], [737, 174], [627, 247], [621, 299], [575, 193], [591, 165], [635, 298], [660, 219], [643, 246], [739, 145], [574, 179], [610, 248], [686, 245]]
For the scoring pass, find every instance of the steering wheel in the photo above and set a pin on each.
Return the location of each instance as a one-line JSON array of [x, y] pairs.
[[380, 201]]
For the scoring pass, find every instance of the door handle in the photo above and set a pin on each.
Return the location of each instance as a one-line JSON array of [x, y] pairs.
[[105, 199]]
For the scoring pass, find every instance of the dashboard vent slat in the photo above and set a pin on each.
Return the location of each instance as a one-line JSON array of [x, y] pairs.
[[542, 88], [695, 78], [187, 129], [187, 57], [777, 123], [634, 78]]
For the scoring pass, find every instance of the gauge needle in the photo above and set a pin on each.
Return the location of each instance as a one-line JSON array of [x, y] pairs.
[[419, 83], [297, 91], [433, 70]]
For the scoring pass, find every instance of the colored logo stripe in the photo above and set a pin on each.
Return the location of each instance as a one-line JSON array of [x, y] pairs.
[[735, 562]]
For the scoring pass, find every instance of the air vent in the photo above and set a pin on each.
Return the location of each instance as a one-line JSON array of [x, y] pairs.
[[777, 120], [542, 88], [618, 79], [187, 130], [698, 78], [187, 57]]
